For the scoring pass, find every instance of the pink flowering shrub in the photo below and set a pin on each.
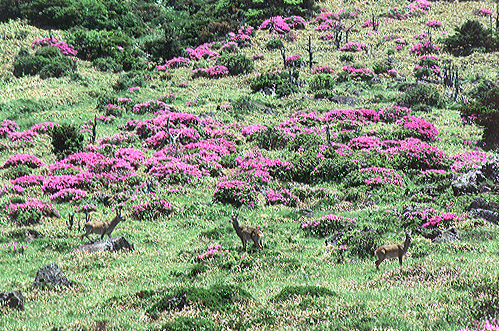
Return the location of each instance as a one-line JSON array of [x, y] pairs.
[[262, 169], [413, 153], [134, 156], [416, 217], [393, 113], [330, 25], [358, 72], [293, 61], [83, 181], [364, 142], [482, 12], [202, 52], [432, 175], [427, 67], [282, 197], [252, 129], [28, 160], [149, 107], [43, 127], [322, 70], [354, 47], [486, 325], [86, 208], [444, 220], [296, 22], [275, 24], [68, 195], [29, 212], [64, 48], [433, 24], [466, 161], [410, 126], [235, 192], [177, 171], [217, 71], [176, 62], [425, 47], [327, 225], [27, 181], [213, 250], [152, 210], [6, 127], [374, 177]]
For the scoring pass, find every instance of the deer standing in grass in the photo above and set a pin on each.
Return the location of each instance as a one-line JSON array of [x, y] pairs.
[[247, 233], [102, 228], [393, 251]]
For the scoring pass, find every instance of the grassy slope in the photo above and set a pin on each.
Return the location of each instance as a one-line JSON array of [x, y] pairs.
[[422, 295]]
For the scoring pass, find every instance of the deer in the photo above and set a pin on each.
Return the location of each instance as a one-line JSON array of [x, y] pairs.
[[102, 228], [392, 251], [247, 233]]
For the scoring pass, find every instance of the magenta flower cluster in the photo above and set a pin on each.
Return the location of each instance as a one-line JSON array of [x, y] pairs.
[[202, 52], [483, 12], [322, 70], [362, 74], [418, 128], [275, 24], [152, 210], [281, 197], [354, 47], [379, 176], [213, 250], [487, 325], [235, 192], [425, 47], [444, 220], [28, 160], [391, 114], [217, 71], [433, 24], [13, 210], [176, 62], [7, 127], [64, 48], [27, 181]]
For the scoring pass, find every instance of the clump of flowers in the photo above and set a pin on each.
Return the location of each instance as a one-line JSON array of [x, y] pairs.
[[354, 47], [213, 250], [327, 225], [87, 208], [29, 212], [432, 175], [152, 210], [217, 71], [482, 12], [275, 24], [202, 52], [293, 61], [64, 48], [391, 114], [418, 128], [487, 325], [433, 24], [425, 47], [235, 192], [68, 195], [30, 180], [296, 22], [322, 70], [176, 62], [444, 220], [28, 160], [258, 57], [15, 247], [469, 160], [282, 197], [427, 67], [359, 72], [6, 127]]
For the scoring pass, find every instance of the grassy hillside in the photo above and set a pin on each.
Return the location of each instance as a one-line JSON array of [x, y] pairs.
[[383, 172]]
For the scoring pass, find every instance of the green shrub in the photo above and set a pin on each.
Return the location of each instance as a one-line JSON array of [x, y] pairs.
[[129, 79], [382, 67], [275, 43], [486, 111], [29, 217], [333, 169], [361, 243], [281, 81], [347, 57], [58, 67], [49, 52], [321, 82], [29, 65], [324, 94], [270, 139], [93, 44], [66, 140], [107, 64], [304, 164], [306, 141], [243, 105], [237, 64], [419, 94], [469, 37], [17, 171]]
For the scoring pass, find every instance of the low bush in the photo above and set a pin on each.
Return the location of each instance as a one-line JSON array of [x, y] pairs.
[[107, 64], [469, 37], [58, 67], [275, 43], [17, 171], [361, 243], [486, 111], [270, 139], [29, 65], [237, 64], [321, 82], [280, 81], [419, 95], [290, 292], [304, 165], [130, 79], [66, 140]]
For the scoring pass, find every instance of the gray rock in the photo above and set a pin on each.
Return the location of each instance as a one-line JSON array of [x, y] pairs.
[[488, 215], [12, 299], [345, 100], [50, 274], [491, 170], [482, 203], [468, 183], [447, 236], [113, 244]]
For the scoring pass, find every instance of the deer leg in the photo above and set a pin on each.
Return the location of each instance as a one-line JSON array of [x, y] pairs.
[[400, 260]]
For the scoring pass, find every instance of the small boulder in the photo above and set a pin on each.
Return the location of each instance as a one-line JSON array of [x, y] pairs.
[[345, 100], [12, 299], [447, 236], [468, 183], [488, 215], [50, 274], [113, 244]]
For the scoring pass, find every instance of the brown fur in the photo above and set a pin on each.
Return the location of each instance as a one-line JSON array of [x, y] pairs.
[[393, 251], [247, 233], [102, 228]]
